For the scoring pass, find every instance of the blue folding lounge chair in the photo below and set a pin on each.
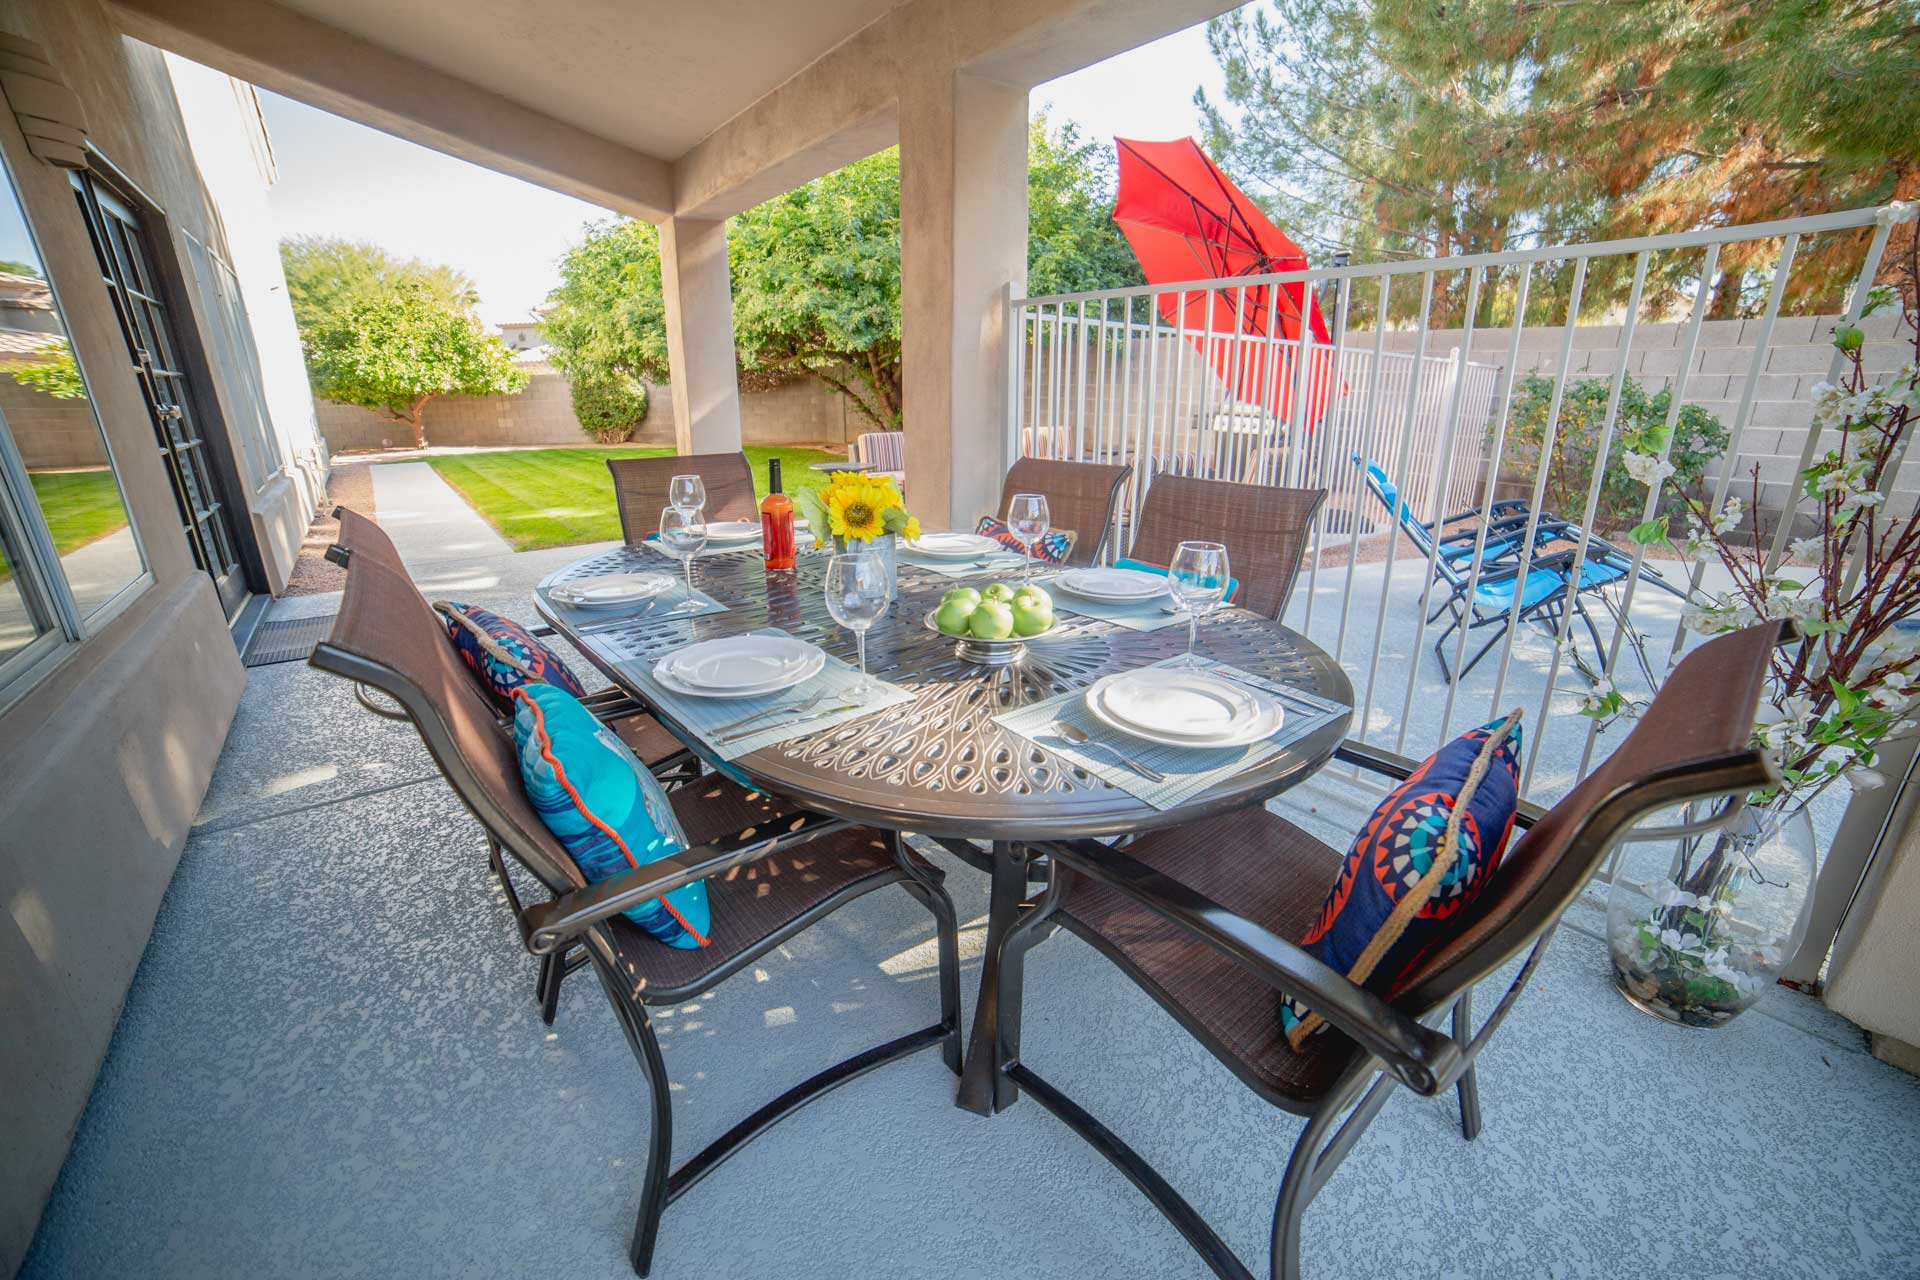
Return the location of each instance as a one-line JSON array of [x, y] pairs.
[[1475, 604]]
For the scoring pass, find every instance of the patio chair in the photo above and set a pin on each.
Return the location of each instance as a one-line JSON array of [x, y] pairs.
[[885, 452], [1487, 600], [1202, 917], [1264, 529], [770, 874], [1081, 496], [640, 489]]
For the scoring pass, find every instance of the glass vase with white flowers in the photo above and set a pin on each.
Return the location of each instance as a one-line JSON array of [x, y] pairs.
[[1703, 939]]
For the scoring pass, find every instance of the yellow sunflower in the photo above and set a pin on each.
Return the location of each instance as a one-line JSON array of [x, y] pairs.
[[913, 529], [854, 511]]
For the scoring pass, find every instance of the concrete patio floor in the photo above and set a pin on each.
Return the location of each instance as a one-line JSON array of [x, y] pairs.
[[330, 1063]]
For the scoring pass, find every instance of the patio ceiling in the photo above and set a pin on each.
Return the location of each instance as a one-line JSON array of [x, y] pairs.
[[656, 77]]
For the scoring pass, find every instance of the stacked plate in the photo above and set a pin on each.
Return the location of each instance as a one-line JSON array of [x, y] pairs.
[[954, 546], [1184, 707], [740, 666], [724, 533], [1112, 586], [612, 590]]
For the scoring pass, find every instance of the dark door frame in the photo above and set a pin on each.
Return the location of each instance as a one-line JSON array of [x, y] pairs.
[[175, 297]]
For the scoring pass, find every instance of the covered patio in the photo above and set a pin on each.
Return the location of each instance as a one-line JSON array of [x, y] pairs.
[[331, 1063]]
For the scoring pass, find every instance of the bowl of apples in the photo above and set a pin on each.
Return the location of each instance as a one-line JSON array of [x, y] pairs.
[[992, 624]]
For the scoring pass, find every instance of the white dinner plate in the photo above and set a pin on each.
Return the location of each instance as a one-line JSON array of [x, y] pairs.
[[610, 590], [954, 546], [740, 666], [732, 530], [1184, 708], [1112, 586]]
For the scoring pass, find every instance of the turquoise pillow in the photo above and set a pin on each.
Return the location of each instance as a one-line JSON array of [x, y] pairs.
[[602, 804], [1147, 566]]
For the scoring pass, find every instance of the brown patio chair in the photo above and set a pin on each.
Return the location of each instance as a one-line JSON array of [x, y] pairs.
[[1203, 918], [1264, 529], [1081, 496], [652, 741], [770, 874], [640, 488]]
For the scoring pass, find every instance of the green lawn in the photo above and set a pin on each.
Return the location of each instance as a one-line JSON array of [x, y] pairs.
[[80, 507], [541, 498]]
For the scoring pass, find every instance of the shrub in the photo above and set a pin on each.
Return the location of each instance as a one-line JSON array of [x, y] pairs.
[[1699, 437], [609, 405]]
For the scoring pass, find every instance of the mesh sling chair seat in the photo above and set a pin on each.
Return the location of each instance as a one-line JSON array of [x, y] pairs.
[[645, 736], [1264, 529], [640, 488], [771, 873], [1081, 496], [1203, 917]]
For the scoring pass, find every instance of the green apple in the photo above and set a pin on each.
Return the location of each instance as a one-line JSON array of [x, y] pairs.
[[952, 616], [998, 591], [1035, 597], [992, 620], [969, 594], [1031, 616]]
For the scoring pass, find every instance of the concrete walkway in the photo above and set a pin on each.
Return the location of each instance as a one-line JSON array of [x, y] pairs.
[[426, 519]]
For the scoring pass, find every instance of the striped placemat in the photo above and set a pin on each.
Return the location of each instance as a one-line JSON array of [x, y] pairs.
[[717, 721], [668, 606], [802, 541], [1006, 564], [1189, 770]]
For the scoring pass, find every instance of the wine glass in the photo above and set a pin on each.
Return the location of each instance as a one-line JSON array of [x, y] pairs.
[[682, 534], [688, 494], [1027, 520], [1198, 579], [857, 594]]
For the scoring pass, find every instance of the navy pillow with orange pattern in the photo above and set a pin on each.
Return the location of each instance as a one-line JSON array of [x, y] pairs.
[[503, 654], [1417, 864], [1054, 546]]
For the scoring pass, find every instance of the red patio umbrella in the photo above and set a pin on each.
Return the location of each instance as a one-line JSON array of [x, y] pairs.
[[1186, 220]]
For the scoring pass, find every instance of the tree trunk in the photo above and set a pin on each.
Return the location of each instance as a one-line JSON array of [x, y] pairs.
[[417, 419], [1726, 295]]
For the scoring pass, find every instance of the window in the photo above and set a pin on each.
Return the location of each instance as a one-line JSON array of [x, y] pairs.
[[69, 556]]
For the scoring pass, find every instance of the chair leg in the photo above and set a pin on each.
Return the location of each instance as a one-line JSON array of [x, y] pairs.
[[546, 987], [933, 895], [1296, 1192], [646, 1047], [1469, 1087]]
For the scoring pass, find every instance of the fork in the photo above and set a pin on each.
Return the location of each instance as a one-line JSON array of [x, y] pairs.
[[1081, 738], [822, 714], [764, 712]]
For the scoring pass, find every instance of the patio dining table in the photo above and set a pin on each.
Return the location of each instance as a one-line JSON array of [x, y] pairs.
[[938, 763]]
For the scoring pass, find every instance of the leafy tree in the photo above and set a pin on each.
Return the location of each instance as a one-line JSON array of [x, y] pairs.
[[816, 275], [1640, 423], [15, 267], [1404, 128], [398, 351], [326, 277], [609, 405], [54, 373]]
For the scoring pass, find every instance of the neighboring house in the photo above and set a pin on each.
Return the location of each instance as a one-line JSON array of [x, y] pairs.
[[142, 512], [522, 335]]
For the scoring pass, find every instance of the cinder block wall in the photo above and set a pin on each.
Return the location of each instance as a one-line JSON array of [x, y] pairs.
[[804, 412], [1797, 357], [50, 432]]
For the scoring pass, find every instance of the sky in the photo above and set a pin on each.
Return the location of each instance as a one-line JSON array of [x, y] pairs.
[[338, 178]]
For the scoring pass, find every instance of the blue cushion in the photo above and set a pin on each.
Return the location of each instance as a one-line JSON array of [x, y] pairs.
[[1147, 566], [602, 804], [1404, 885], [504, 654], [1054, 546]]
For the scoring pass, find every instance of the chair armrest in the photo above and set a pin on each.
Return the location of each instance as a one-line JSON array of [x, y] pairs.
[[1418, 1056], [1400, 768], [549, 926]]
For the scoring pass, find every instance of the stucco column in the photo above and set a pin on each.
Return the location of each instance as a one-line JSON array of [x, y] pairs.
[[699, 297], [963, 243]]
